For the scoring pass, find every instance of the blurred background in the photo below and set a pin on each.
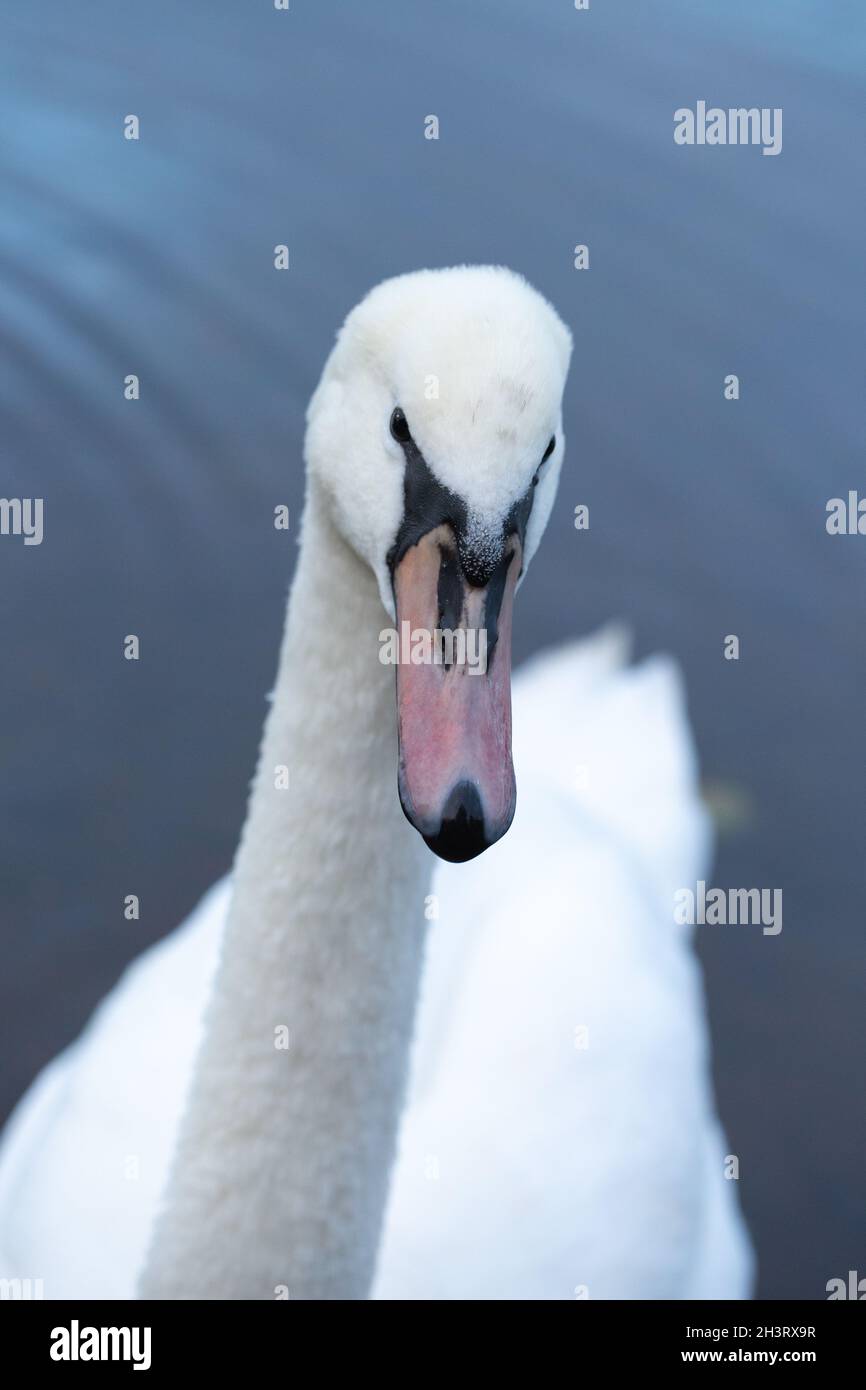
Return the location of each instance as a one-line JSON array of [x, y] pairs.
[[155, 257]]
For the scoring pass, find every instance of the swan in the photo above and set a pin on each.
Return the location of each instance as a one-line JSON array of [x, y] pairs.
[[263, 1107]]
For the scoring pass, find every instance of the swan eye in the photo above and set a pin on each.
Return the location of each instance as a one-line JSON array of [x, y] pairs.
[[400, 427]]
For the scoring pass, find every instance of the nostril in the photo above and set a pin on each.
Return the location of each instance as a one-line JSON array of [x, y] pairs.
[[462, 834]]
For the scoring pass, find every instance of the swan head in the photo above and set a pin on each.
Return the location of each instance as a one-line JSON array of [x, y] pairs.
[[435, 435]]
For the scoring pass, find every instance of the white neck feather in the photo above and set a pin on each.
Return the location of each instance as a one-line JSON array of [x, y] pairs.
[[281, 1172]]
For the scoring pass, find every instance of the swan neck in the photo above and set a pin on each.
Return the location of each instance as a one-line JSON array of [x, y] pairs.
[[281, 1173]]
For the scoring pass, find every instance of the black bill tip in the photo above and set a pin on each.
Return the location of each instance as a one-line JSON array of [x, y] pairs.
[[462, 834]]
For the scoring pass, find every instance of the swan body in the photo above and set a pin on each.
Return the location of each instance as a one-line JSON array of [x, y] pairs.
[[551, 1134], [559, 1139]]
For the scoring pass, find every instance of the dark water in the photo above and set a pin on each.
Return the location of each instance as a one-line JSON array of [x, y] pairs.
[[707, 516]]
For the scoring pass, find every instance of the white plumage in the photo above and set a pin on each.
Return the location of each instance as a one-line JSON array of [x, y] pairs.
[[560, 1138]]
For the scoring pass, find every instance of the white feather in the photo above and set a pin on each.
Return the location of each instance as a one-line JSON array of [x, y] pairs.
[[528, 1166]]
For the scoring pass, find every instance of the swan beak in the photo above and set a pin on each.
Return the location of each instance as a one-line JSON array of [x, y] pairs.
[[456, 778]]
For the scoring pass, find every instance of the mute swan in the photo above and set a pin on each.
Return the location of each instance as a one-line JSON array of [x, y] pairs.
[[559, 1138]]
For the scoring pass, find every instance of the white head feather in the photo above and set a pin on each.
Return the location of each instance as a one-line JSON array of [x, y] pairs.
[[477, 360]]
